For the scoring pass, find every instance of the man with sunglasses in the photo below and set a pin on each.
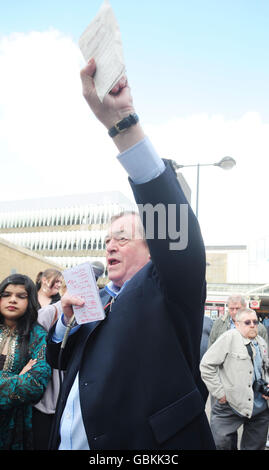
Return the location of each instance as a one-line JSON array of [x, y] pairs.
[[230, 369], [227, 321]]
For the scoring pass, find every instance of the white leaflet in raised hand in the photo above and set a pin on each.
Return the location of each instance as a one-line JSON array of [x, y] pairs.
[[102, 41], [80, 282]]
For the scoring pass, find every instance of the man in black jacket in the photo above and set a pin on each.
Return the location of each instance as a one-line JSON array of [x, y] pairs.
[[132, 380]]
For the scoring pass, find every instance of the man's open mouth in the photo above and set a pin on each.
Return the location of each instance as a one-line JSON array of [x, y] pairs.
[[113, 261]]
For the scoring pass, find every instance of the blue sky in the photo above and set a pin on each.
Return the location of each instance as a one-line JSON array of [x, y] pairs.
[[199, 73], [213, 53]]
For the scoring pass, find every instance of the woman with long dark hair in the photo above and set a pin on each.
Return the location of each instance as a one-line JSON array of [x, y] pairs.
[[24, 372]]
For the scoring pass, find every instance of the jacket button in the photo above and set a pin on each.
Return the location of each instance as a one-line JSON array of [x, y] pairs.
[[85, 384]]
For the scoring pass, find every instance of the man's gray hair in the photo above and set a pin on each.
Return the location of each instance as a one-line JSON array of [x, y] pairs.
[[139, 225], [243, 310], [237, 298]]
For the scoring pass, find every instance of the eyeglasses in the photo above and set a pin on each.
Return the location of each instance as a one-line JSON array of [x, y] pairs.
[[120, 240], [248, 322]]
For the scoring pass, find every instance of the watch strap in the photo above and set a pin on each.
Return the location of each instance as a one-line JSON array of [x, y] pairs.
[[124, 124]]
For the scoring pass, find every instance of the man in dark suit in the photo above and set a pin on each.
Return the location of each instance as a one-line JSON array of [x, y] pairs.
[[132, 380]]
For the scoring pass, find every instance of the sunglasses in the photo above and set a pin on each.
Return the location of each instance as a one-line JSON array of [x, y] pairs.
[[248, 322]]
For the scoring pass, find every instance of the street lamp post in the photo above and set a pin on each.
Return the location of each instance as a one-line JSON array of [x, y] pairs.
[[226, 163]]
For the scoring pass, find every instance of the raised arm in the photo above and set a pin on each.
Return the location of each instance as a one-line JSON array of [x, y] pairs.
[[117, 105], [181, 261]]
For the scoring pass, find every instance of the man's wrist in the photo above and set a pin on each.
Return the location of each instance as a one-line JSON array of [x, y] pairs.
[[129, 137], [66, 320], [123, 124]]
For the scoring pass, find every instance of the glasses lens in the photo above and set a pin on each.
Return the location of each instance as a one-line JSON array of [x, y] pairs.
[[248, 322]]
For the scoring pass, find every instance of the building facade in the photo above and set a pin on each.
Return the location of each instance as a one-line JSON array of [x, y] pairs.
[[66, 230], [69, 230]]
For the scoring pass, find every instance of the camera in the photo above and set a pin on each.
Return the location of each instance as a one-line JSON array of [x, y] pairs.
[[261, 386]]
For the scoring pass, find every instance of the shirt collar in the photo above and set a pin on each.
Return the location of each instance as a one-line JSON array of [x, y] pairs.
[[114, 290]]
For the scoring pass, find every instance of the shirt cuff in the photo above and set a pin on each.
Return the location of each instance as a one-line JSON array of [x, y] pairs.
[[142, 162], [60, 330]]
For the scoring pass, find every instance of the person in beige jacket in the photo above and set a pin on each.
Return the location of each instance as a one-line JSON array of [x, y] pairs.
[[237, 359]]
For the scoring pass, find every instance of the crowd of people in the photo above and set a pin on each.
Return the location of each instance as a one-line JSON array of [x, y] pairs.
[[29, 386], [140, 378], [234, 367]]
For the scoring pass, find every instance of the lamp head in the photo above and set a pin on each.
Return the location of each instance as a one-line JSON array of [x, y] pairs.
[[226, 163]]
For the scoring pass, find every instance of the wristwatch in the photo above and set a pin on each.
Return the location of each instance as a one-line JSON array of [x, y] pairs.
[[124, 124]]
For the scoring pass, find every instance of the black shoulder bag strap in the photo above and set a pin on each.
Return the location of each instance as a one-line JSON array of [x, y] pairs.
[[249, 348]]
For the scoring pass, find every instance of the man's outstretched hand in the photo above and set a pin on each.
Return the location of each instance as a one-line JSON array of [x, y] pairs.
[[115, 106]]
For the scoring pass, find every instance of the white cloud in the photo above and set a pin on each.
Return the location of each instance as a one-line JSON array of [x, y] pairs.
[[232, 204], [50, 144], [46, 125]]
